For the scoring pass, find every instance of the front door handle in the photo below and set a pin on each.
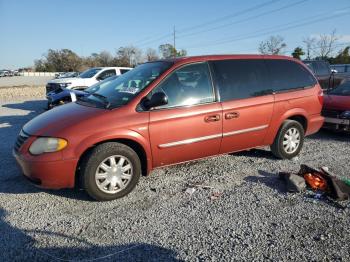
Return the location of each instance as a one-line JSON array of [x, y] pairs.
[[213, 118], [231, 115]]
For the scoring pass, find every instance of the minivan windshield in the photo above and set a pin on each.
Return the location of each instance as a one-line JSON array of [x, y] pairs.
[[89, 73], [127, 86]]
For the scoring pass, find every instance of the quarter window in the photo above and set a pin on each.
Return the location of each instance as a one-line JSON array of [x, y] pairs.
[[189, 85], [287, 75], [239, 79]]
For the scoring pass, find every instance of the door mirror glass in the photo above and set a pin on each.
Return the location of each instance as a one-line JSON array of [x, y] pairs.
[[157, 99]]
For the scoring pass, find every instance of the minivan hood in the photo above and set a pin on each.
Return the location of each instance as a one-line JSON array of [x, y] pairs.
[[337, 102], [56, 119]]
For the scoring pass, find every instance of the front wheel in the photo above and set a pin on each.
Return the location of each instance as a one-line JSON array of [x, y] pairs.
[[110, 171], [289, 140]]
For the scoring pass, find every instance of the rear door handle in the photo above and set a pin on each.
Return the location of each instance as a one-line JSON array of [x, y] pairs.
[[231, 115], [213, 118]]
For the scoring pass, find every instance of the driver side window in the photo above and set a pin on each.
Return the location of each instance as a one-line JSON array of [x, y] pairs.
[[189, 85]]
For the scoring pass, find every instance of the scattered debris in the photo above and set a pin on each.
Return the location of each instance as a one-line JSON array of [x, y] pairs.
[[293, 182], [200, 186], [333, 188], [190, 191], [321, 181], [316, 181], [215, 195]]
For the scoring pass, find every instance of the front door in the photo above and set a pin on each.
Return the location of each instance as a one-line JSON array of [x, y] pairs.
[[190, 125]]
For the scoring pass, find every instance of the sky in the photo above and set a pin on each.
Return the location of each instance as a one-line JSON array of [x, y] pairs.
[[30, 28]]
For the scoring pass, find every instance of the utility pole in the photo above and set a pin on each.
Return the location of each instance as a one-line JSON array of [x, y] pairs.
[[174, 42]]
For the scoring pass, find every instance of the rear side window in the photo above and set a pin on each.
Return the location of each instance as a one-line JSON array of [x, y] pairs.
[[239, 79], [286, 75]]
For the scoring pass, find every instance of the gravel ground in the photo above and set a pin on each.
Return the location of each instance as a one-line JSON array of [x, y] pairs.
[[252, 218]]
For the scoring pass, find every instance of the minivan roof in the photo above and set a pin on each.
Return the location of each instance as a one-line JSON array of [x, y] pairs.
[[224, 57]]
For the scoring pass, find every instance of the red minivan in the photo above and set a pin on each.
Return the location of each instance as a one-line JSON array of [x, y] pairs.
[[168, 112]]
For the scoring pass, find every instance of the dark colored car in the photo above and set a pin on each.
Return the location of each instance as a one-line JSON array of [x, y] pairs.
[[62, 96], [336, 109], [324, 74], [168, 112]]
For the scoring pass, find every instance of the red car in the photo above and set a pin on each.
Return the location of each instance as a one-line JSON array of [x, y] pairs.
[[336, 109], [167, 112]]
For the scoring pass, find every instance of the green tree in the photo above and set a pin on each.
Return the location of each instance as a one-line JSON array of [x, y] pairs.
[[298, 52], [342, 58], [63, 60], [168, 51]]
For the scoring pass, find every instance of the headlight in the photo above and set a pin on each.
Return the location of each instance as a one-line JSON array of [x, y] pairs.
[[345, 114], [47, 144], [64, 85]]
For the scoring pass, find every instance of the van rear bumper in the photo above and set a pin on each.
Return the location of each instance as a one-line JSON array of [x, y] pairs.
[[314, 124]]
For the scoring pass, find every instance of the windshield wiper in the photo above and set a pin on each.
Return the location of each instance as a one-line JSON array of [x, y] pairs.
[[102, 98]]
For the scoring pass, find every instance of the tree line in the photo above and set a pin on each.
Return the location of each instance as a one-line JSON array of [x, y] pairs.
[[322, 47], [65, 60]]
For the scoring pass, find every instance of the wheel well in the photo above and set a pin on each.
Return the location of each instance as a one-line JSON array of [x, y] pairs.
[[130, 143], [301, 119]]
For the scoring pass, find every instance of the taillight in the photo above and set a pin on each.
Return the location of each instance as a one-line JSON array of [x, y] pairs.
[[320, 96]]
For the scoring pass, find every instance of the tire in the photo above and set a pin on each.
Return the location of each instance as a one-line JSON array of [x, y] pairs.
[[103, 178], [289, 140]]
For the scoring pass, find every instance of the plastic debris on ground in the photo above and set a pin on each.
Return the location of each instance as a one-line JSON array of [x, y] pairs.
[[325, 184]]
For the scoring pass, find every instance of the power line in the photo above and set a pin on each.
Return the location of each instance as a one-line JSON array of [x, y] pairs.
[[244, 20], [155, 38], [287, 26], [174, 42], [238, 13]]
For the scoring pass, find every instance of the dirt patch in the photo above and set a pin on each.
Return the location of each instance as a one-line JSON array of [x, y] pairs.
[[21, 92]]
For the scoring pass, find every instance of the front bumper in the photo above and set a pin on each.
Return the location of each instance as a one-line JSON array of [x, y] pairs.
[[48, 174]]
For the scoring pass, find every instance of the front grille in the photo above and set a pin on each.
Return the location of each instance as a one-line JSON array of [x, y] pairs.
[[331, 113], [22, 137], [52, 87]]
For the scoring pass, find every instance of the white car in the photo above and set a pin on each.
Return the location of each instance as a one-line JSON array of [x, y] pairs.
[[85, 79]]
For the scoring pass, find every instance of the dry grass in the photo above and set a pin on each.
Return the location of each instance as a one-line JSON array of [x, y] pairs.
[[21, 92]]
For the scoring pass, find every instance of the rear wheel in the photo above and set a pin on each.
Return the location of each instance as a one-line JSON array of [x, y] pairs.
[[289, 140], [110, 171]]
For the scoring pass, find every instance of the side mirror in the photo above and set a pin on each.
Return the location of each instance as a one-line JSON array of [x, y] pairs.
[[157, 99]]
